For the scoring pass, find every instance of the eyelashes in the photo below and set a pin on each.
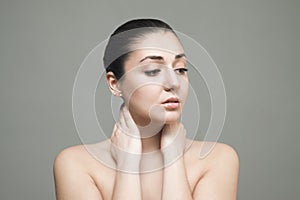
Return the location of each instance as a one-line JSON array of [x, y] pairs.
[[181, 71], [155, 72], [152, 72]]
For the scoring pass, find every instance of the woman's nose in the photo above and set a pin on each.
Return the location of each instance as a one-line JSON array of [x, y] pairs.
[[170, 79]]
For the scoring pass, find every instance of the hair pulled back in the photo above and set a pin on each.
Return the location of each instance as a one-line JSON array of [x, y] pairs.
[[120, 43]]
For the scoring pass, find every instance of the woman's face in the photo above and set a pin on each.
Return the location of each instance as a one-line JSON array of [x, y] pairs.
[[155, 83]]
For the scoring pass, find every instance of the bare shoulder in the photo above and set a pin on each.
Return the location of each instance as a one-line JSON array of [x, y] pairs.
[[71, 157], [70, 152], [206, 157], [72, 169], [81, 155], [223, 154], [220, 177], [211, 152]]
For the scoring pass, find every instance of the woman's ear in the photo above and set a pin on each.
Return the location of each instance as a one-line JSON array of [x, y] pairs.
[[112, 83]]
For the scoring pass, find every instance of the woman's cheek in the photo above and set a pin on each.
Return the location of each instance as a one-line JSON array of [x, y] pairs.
[[146, 95], [184, 90]]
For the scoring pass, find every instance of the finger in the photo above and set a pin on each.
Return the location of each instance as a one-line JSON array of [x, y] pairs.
[[178, 128], [134, 131], [114, 130], [184, 131], [181, 130]]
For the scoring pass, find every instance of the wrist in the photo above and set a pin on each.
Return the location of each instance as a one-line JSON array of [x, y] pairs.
[[129, 163], [171, 153]]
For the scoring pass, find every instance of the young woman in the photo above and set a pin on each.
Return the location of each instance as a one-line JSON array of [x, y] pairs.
[[149, 154]]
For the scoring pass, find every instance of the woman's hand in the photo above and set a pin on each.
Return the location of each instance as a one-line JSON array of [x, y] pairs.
[[126, 146], [173, 140]]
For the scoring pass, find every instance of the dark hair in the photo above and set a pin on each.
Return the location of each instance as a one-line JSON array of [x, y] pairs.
[[118, 49]]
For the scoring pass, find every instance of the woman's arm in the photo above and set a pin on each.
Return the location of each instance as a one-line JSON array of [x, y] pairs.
[[218, 183], [127, 186], [175, 183], [127, 181], [126, 150]]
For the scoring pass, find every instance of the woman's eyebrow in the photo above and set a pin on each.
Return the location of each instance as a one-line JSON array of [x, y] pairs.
[[161, 58], [152, 58], [180, 56]]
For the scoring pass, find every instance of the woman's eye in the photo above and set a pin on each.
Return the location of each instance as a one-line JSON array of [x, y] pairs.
[[152, 72], [181, 71]]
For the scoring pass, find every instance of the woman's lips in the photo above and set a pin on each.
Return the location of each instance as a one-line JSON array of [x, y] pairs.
[[171, 105]]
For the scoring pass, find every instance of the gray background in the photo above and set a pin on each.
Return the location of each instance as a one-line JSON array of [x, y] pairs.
[[254, 43]]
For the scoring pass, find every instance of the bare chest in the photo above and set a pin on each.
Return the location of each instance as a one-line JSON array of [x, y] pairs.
[[151, 183]]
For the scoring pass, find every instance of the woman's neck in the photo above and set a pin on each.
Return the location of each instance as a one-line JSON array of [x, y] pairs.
[[151, 144], [150, 132], [150, 137]]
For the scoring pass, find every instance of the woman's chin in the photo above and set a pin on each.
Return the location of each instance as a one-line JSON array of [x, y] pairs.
[[171, 121], [159, 118], [171, 118]]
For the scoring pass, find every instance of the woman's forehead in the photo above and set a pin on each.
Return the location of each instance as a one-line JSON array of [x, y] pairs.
[[141, 56], [158, 41], [164, 46]]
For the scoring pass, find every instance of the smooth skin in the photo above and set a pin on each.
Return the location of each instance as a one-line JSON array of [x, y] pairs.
[[79, 176]]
